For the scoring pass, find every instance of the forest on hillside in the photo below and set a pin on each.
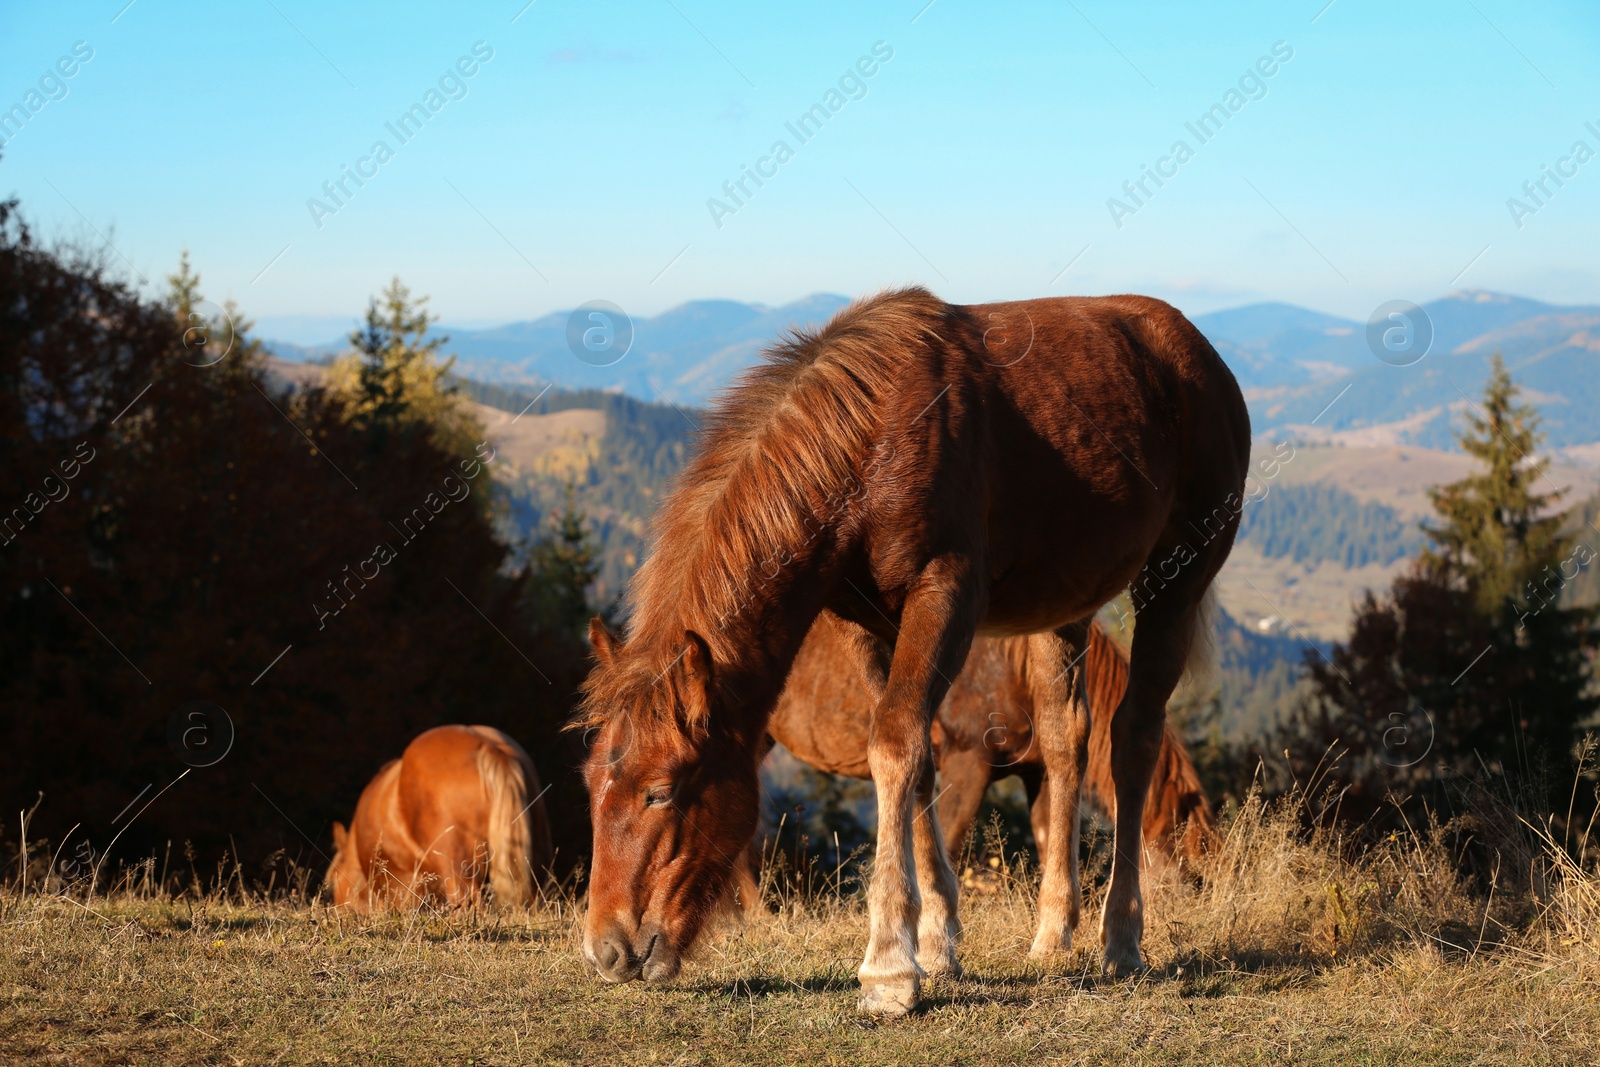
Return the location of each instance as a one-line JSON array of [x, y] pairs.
[[617, 489], [1319, 522], [223, 605]]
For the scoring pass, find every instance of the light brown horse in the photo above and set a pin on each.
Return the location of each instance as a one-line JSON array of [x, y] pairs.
[[985, 731], [927, 472], [461, 809]]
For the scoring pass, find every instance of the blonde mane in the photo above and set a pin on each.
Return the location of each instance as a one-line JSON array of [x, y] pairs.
[[781, 455]]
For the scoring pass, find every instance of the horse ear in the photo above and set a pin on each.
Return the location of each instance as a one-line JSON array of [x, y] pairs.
[[697, 676], [600, 639], [339, 837]]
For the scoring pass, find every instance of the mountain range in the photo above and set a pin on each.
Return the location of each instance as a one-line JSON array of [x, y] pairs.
[[1303, 372], [1294, 363]]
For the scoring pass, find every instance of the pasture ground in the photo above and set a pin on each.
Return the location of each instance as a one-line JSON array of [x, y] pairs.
[[1287, 955]]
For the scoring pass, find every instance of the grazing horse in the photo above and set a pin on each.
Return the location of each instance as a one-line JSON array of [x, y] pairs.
[[451, 814], [985, 731], [926, 472]]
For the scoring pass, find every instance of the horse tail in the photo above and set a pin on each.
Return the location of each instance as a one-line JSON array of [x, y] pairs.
[[1181, 800], [1107, 680], [514, 837], [1176, 799], [1200, 664]]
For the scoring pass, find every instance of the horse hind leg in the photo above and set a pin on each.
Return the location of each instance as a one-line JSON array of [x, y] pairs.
[[1056, 678], [964, 775], [1163, 641]]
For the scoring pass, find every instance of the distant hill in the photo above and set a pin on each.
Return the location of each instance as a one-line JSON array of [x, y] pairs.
[[683, 355], [618, 474], [1291, 361], [1257, 675], [1271, 346], [619, 454]]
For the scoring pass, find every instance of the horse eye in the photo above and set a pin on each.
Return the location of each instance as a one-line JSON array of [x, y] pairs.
[[658, 797]]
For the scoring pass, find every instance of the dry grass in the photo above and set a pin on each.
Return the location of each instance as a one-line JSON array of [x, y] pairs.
[[1289, 953]]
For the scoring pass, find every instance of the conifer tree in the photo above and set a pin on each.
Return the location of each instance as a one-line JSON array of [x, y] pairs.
[[1497, 529], [562, 567], [209, 338], [393, 380], [183, 288], [1473, 659]]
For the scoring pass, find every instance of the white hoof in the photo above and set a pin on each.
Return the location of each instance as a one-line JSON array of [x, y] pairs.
[[889, 999], [1050, 944]]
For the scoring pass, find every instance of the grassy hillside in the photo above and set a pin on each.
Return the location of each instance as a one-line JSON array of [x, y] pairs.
[[1288, 953]]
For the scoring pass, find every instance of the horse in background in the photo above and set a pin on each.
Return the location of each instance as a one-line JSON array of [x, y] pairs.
[[985, 731], [458, 811]]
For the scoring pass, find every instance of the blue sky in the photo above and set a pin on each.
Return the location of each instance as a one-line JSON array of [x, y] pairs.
[[579, 162]]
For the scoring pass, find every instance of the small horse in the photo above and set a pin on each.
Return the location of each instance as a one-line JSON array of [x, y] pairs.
[[450, 815], [927, 472], [985, 731]]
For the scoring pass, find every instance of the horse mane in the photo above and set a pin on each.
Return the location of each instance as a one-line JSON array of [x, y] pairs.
[[782, 450]]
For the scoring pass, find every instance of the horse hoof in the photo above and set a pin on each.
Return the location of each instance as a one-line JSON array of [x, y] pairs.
[[1120, 965], [943, 969], [1050, 947], [890, 999]]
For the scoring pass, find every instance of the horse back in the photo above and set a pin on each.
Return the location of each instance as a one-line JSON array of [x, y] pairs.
[[441, 786], [1088, 432]]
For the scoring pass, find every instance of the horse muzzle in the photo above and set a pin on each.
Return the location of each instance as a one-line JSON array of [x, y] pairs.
[[649, 956]]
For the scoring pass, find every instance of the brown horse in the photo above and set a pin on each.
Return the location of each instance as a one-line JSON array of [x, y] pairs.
[[925, 471], [450, 815], [985, 731]]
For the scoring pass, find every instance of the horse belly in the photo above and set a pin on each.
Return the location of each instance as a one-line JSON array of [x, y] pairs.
[[1061, 559]]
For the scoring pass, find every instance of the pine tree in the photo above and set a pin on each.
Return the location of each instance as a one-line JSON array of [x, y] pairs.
[[562, 567], [1497, 531], [393, 379], [183, 288], [1502, 541], [1473, 659], [209, 339], [400, 376]]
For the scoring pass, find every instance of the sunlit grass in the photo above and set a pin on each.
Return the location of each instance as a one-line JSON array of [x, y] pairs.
[[1291, 950]]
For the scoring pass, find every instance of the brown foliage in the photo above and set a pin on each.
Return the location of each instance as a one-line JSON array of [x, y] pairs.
[[188, 555]]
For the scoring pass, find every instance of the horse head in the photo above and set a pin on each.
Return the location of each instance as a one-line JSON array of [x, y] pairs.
[[673, 796]]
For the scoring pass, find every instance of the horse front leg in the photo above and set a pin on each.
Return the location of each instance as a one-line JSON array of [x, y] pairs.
[[939, 925], [1061, 703], [936, 626], [964, 775]]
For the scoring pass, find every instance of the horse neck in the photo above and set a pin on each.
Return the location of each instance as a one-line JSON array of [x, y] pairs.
[[756, 642]]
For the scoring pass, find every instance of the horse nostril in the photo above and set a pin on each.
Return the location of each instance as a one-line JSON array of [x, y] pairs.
[[614, 960], [658, 961]]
